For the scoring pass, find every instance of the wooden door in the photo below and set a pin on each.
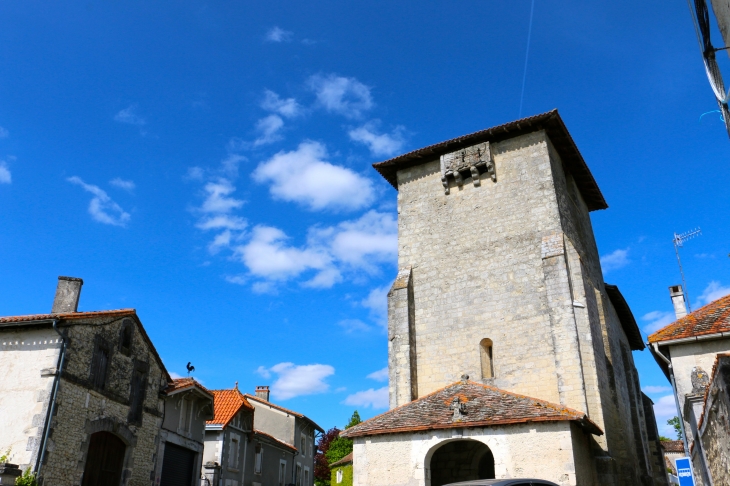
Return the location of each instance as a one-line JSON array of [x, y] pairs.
[[104, 460]]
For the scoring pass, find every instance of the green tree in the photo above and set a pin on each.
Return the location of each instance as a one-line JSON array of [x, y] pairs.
[[27, 479], [342, 446], [674, 422], [664, 439]]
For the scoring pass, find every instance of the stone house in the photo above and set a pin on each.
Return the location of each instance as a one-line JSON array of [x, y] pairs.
[[342, 471], [287, 427], [79, 387], [713, 427], [500, 298], [188, 405], [251, 442], [687, 351]]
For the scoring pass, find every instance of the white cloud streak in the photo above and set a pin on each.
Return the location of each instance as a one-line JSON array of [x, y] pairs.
[[380, 375], [268, 129], [344, 96], [4, 133], [656, 389], [297, 380], [615, 260], [277, 34], [377, 303], [353, 326], [379, 144], [376, 399], [664, 409], [101, 207], [657, 320], [5, 175], [714, 290], [128, 186], [288, 107], [304, 176], [130, 117]]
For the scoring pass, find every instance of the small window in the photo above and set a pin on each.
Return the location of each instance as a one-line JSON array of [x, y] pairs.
[[125, 338], [282, 473], [138, 387], [298, 478], [233, 454], [100, 364], [306, 477], [259, 459], [339, 476], [485, 350], [303, 445]]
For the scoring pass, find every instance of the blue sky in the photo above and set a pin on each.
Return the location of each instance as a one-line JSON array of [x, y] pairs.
[[208, 163]]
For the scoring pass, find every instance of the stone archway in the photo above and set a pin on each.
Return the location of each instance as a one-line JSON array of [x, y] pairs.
[[461, 460]]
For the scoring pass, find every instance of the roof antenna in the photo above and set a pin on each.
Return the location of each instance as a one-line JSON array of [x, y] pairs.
[[678, 241]]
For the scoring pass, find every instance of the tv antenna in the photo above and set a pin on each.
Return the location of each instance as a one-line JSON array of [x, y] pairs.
[[678, 241]]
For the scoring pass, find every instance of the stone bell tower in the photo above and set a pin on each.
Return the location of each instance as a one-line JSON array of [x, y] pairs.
[[499, 278]]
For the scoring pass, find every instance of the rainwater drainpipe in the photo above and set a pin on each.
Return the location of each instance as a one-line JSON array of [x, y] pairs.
[[52, 402], [655, 346]]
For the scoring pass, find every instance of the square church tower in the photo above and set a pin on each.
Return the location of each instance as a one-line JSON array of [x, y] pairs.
[[500, 288]]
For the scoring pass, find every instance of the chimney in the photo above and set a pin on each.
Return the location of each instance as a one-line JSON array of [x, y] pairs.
[[262, 392], [677, 294], [67, 295]]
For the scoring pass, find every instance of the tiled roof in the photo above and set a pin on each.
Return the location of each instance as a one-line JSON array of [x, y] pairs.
[[285, 410], [714, 318], [550, 122], [485, 406], [226, 404], [345, 460], [67, 315], [178, 384], [275, 440], [673, 446]]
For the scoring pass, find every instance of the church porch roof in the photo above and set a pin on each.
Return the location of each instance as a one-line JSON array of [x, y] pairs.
[[479, 406]]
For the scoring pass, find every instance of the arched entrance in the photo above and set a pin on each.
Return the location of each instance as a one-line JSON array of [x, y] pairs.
[[461, 460], [104, 461]]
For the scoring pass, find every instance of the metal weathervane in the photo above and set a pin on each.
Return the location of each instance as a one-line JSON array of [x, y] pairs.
[[678, 241]]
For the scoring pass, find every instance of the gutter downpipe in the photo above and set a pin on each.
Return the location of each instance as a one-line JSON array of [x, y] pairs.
[[52, 403], [655, 346]]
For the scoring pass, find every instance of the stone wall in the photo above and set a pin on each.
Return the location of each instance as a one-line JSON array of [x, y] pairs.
[[541, 450], [715, 427], [28, 359], [83, 410]]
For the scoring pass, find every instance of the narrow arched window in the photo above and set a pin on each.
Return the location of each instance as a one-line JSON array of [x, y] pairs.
[[125, 341], [487, 358]]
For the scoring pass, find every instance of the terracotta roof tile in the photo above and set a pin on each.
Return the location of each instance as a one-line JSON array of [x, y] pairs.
[[673, 446], [178, 384], [550, 122], [345, 460], [485, 406], [274, 439], [226, 404], [713, 318], [67, 315]]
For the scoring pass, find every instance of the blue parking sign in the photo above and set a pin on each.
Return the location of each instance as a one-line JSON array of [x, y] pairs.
[[684, 472]]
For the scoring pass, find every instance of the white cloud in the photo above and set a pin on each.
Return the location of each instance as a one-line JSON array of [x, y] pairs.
[[268, 129], [656, 389], [277, 34], [353, 325], [5, 176], [356, 245], [712, 292], [236, 279], [377, 399], [268, 256], [217, 199], [380, 144], [304, 176], [123, 184], [615, 260], [101, 207], [657, 320], [664, 409], [4, 133], [345, 96], [288, 107], [380, 375], [377, 302], [297, 380], [129, 116]]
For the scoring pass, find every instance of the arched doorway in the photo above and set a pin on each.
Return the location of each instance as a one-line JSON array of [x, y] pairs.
[[461, 460], [104, 461]]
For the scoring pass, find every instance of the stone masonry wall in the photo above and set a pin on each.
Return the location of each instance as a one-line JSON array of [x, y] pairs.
[[82, 410]]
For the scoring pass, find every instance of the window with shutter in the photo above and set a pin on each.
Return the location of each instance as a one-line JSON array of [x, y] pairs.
[[259, 459], [99, 364], [138, 387], [125, 338]]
